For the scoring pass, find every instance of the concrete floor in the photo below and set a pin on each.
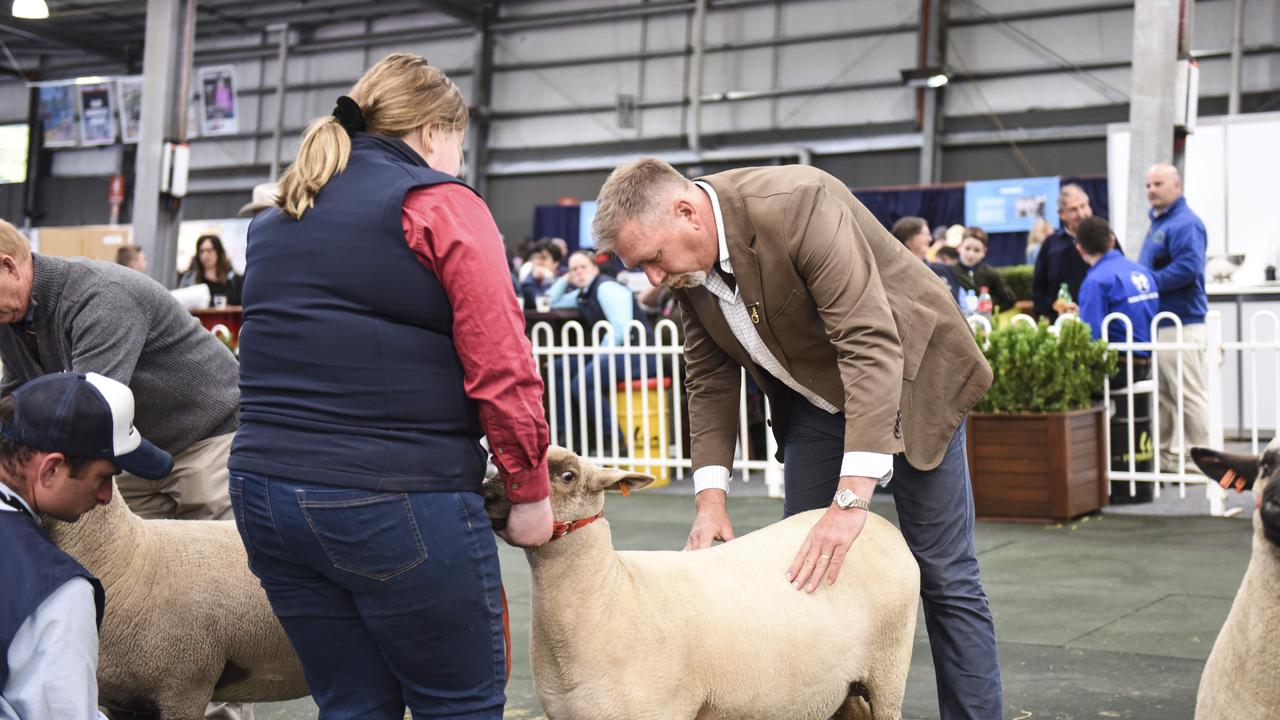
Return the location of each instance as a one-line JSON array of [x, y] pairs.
[[1111, 616]]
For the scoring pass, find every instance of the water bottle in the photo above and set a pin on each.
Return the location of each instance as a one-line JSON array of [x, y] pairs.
[[970, 303], [985, 306], [1064, 294]]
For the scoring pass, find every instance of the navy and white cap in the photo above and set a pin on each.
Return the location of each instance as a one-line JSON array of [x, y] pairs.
[[84, 415]]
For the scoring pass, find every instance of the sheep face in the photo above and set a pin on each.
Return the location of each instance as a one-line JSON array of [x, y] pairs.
[[577, 488], [1258, 472]]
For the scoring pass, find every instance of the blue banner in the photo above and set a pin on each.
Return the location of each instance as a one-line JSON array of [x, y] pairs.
[[1011, 205]]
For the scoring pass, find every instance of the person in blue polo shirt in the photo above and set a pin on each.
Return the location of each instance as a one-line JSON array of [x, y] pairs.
[[62, 438], [1116, 284], [1174, 250]]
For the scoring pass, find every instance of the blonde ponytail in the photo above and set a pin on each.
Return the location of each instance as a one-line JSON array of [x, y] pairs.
[[399, 94]]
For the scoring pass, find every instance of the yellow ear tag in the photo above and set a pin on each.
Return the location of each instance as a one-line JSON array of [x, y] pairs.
[[625, 488]]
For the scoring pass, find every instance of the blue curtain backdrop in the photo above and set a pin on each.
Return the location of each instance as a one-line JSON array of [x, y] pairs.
[[562, 221], [938, 205], [945, 206]]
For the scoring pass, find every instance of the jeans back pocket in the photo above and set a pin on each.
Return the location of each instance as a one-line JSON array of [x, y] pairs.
[[367, 533]]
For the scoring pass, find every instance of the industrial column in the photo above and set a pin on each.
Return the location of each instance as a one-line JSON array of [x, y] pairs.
[[1152, 107], [482, 100], [932, 38], [165, 65]]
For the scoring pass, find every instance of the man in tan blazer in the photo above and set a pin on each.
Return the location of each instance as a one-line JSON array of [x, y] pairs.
[[867, 363]]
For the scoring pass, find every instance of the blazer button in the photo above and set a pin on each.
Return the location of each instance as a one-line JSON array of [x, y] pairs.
[[769, 422]]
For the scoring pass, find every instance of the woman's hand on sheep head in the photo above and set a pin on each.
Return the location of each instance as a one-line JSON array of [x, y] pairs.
[[823, 551], [710, 520], [529, 524]]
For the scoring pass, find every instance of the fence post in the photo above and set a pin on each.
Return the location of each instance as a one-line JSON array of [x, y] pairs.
[[1213, 357], [773, 476]]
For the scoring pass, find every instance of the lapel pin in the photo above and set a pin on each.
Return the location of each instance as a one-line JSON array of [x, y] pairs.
[[754, 308]]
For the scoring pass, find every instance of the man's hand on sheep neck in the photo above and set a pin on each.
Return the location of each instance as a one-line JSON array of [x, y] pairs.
[[710, 521], [823, 551]]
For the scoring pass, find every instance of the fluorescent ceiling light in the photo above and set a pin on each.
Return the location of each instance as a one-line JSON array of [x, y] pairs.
[[89, 80], [931, 77], [30, 9]]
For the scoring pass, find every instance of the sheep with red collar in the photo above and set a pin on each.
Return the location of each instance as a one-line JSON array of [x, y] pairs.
[[716, 634], [186, 621], [1241, 679]]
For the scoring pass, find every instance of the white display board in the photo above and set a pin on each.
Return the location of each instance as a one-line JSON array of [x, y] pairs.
[[1229, 180]]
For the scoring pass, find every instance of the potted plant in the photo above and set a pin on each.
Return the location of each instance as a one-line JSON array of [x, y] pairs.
[[1036, 441]]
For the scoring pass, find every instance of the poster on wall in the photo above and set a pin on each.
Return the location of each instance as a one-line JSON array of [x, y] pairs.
[[218, 111], [1011, 205], [13, 153], [129, 98], [97, 121], [58, 114]]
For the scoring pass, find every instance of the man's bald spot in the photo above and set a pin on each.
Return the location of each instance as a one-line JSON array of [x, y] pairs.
[[1166, 171]]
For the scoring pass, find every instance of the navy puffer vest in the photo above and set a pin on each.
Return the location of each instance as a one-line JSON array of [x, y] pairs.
[[348, 371]]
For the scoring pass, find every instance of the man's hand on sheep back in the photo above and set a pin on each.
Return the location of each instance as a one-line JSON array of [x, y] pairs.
[[823, 551], [710, 520], [529, 524]]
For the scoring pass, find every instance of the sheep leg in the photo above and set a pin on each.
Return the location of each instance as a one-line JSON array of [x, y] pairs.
[[855, 707]]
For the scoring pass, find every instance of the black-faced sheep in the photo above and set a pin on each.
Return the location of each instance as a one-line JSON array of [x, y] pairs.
[[1241, 679]]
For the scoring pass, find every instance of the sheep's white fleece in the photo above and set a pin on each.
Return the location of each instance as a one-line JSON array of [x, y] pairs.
[[719, 633], [186, 621]]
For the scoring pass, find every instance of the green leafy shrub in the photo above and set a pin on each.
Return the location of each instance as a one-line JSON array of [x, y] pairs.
[[1037, 371], [1018, 278]]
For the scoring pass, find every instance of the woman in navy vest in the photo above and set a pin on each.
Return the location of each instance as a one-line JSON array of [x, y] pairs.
[[598, 298], [381, 341]]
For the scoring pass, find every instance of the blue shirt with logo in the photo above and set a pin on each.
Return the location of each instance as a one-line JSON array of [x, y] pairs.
[[1118, 284], [1174, 250]]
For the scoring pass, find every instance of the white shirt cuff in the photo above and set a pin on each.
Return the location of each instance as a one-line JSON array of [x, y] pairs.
[[711, 476], [864, 464]]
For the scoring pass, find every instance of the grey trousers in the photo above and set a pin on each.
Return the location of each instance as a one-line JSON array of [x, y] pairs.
[[935, 514]]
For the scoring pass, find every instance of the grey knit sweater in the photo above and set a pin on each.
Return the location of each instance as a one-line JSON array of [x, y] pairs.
[[93, 316]]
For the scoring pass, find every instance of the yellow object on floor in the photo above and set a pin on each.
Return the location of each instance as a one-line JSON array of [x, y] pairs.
[[647, 425]]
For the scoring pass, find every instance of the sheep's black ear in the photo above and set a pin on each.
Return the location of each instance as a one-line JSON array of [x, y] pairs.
[[1231, 470], [622, 481], [496, 504]]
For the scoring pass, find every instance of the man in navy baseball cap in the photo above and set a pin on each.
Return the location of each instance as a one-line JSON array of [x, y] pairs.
[[62, 439]]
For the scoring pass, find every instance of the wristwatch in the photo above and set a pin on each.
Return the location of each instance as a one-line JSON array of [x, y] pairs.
[[846, 499]]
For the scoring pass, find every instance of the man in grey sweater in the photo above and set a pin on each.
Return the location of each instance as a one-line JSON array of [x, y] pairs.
[[90, 316]]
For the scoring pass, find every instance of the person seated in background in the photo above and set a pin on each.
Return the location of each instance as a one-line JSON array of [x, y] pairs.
[[913, 233], [1116, 284], [62, 437], [132, 257], [597, 298], [948, 256], [539, 273], [1040, 231], [212, 267], [974, 274]]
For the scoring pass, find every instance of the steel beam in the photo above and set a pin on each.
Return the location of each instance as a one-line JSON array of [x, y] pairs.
[[165, 65]]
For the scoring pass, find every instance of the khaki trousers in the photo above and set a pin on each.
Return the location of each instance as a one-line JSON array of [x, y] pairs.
[[195, 490], [1195, 398]]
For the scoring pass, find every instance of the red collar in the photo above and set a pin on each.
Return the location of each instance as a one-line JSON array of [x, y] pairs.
[[560, 529]]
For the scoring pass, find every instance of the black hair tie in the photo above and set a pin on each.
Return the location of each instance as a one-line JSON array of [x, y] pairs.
[[349, 115]]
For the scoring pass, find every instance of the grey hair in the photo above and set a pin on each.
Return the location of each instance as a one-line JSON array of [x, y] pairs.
[[1068, 190], [633, 190]]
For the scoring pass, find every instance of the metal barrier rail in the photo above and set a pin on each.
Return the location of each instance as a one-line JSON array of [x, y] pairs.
[[571, 365]]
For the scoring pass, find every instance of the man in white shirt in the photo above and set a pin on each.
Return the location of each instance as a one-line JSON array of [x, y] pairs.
[[869, 368], [62, 439]]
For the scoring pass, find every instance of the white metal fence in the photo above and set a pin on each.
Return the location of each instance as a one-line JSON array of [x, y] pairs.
[[647, 405]]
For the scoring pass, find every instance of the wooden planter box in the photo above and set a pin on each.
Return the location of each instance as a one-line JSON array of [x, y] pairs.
[[1041, 467]]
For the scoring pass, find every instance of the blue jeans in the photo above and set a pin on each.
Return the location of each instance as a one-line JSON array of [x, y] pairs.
[[390, 599], [935, 514]]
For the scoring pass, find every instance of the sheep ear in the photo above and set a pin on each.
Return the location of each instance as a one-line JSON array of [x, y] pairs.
[[496, 504], [1231, 470], [624, 482]]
